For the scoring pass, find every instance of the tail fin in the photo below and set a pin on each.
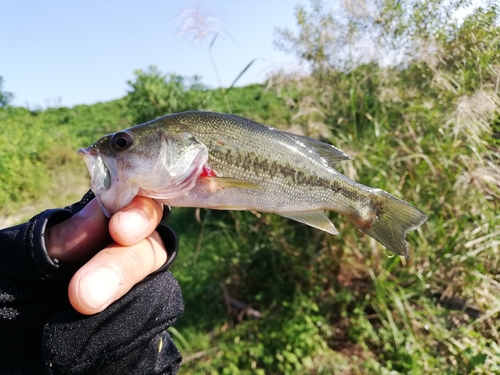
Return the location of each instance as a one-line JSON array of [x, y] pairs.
[[393, 222]]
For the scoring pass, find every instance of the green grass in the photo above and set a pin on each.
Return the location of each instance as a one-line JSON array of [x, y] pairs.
[[426, 132], [328, 304]]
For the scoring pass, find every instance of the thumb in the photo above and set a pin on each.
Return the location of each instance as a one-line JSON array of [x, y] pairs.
[[77, 239]]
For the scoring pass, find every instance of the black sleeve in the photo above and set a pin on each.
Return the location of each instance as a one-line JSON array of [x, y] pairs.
[[40, 333]]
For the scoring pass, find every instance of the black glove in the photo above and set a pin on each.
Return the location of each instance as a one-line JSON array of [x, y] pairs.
[[40, 333]]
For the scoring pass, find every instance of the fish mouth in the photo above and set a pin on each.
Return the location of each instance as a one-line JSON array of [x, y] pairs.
[[99, 172], [111, 197], [87, 151]]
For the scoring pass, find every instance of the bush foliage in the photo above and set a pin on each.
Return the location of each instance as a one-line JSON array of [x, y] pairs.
[[265, 295]]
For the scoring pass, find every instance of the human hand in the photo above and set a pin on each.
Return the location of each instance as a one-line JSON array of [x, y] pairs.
[[115, 255]]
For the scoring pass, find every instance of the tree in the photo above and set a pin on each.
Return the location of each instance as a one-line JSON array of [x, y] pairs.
[[365, 54], [155, 94], [5, 97]]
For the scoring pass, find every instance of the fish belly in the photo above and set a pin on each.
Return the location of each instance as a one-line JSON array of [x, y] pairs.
[[274, 199]]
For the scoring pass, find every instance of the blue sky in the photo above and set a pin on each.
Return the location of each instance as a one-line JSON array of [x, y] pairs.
[[65, 53]]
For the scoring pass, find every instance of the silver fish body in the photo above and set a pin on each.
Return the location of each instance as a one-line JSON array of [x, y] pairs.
[[220, 161]]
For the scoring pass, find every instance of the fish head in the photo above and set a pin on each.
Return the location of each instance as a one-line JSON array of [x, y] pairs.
[[142, 161]]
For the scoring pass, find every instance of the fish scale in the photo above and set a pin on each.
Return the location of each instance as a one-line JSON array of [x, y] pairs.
[[266, 170], [252, 167]]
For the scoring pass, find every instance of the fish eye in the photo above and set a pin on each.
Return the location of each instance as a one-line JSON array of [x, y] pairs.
[[121, 141]]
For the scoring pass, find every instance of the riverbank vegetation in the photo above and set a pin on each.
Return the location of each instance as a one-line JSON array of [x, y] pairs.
[[411, 91]]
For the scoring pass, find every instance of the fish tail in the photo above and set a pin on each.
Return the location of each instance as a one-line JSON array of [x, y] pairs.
[[393, 219]]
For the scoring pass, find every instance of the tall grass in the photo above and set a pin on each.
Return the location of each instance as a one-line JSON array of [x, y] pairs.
[[424, 133], [265, 295], [36, 143], [342, 304]]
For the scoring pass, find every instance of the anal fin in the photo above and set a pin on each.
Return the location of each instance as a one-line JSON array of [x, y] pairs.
[[316, 219]]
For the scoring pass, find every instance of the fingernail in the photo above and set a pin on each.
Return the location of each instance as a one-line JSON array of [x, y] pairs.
[[133, 224], [99, 286], [89, 210]]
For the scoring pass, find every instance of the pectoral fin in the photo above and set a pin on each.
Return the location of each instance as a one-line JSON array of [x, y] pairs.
[[229, 182], [316, 219]]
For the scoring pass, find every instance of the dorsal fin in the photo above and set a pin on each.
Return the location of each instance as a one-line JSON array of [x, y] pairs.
[[330, 154]]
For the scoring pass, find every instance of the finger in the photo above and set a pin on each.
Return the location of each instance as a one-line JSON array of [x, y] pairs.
[[113, 271], [136, 221], [77, 239]]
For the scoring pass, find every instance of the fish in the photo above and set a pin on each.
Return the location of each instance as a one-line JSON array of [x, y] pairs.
[[227, 162]]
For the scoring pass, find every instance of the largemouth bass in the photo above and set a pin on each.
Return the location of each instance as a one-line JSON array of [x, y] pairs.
[[221, 161]]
